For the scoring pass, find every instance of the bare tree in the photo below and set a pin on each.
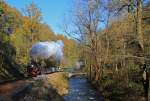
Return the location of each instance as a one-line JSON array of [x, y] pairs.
[[86, 24]]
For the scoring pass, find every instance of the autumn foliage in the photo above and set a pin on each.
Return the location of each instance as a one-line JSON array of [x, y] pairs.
[[18, 32]]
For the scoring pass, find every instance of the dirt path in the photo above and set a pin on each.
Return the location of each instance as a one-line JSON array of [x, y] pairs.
[[14, 90]]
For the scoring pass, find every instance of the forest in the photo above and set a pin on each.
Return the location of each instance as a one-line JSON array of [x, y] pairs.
[[114, 36], [111, 37], [18, 32]]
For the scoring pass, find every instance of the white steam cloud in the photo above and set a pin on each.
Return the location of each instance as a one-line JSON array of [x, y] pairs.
[[48, 49]]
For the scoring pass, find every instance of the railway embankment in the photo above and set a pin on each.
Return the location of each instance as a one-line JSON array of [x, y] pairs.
[[50, 87]]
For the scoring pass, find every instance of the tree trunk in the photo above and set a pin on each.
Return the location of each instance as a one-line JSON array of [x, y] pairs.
[[139, 24]]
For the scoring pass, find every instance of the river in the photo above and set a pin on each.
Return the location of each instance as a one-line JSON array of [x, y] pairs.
[[81, 90]]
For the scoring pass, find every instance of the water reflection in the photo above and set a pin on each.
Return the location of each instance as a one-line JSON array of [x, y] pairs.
[[81, 90]]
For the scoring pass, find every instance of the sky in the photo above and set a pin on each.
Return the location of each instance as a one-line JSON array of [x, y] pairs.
[[53, 11]]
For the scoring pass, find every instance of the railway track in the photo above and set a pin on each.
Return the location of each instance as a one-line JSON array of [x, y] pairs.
[[25, 78]]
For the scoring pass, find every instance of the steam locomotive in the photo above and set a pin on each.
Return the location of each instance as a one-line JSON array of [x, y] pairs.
[[44, 56], [33, 69]]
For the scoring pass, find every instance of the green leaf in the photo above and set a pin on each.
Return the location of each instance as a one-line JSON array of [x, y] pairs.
[[1, 11]]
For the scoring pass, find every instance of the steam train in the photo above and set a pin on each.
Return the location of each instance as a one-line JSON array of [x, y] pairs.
[[44, 55], [33, 69]]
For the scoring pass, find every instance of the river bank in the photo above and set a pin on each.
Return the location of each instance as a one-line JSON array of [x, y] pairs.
[[48, 88]]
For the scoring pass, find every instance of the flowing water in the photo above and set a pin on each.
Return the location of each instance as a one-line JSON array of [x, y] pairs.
[[81, 90]]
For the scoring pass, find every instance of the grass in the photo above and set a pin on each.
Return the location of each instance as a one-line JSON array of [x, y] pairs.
[[51, 87], [118, 89], [121, 86], [59, 81]]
